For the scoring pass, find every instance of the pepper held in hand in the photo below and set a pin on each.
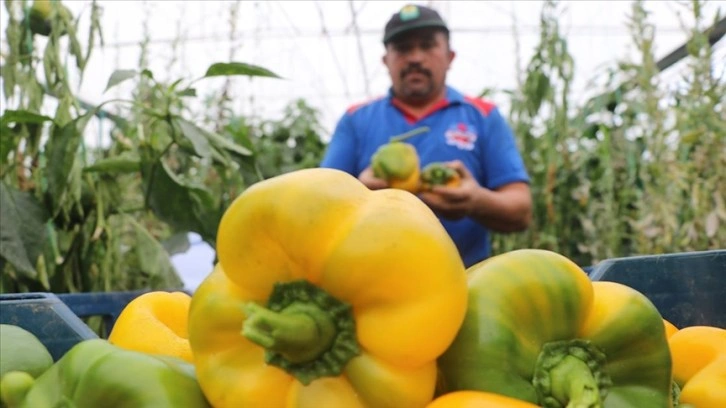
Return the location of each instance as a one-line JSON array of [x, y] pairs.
[[539, 330], [398, 164], [438, 174], [326, 294]]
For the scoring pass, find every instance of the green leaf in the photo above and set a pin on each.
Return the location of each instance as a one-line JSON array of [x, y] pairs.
[[148, 74], [22, 231], [177, 243], [75, 46], [61, 154], [238, 68], [153, 260], [224, 143], [238, 131], [8, 143], [115, 165], [75, 183], [187, 92], [174, 84], [185, 207], [22, 116], [118, 76], [15, 51], [51, 76], [196, 135]]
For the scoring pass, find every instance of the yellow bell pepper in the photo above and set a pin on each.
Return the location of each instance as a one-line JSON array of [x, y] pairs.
[[398, 164], [477, 399], [155, 323], [670, 328], [326, 294], [699, 365]]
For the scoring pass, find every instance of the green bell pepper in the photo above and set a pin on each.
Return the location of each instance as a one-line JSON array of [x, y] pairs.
[[95, 373]]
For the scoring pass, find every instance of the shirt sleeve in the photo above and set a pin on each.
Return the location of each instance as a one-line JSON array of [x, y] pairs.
[[502, 160], [342, 151]]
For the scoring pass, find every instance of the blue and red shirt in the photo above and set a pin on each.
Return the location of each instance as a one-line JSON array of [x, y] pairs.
[[464, 128]]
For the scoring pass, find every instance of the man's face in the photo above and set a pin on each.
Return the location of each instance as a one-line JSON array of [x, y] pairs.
[[417, 63]]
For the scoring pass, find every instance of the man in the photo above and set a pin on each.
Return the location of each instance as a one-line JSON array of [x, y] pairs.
[[469, 134]]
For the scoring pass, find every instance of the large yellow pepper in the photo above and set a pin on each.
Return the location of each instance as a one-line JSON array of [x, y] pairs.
[[326, 294], [699, 365]]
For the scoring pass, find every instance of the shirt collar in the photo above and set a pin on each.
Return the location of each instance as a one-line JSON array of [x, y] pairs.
[[452, 95]]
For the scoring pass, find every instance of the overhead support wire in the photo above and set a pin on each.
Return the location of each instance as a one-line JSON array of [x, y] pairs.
[[329, 40], [356, 30], [717, 32], [575, 31]]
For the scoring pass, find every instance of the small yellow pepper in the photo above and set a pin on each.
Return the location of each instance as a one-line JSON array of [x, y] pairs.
[[439, 174], [478, 399], [670, 328], [155, 323], [699, 365], [398, 164]]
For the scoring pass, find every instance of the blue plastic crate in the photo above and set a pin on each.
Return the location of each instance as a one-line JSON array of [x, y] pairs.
[[47, 317], [689, 288], [108, 305]]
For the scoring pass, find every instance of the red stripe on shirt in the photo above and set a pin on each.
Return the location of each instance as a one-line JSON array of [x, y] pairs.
[[485, 107], [355, 106]]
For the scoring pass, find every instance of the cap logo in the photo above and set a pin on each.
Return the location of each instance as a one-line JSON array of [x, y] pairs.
[[409, 13]]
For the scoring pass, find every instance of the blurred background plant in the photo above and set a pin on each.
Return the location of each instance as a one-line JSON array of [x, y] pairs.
[[84, 218], [639, 168]]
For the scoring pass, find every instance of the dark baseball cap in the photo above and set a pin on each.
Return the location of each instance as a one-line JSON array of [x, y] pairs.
[[410, 17]]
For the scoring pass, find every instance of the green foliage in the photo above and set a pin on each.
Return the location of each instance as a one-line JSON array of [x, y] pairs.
[[46, 207], [290, 143], [638, 169], [238, 68], [77, 218], [23, 232]]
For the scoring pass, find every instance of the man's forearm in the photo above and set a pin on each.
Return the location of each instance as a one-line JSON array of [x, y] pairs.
[[508, 209]]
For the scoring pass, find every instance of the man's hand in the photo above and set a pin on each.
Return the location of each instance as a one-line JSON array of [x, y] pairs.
[[372, 182], [453, 202]]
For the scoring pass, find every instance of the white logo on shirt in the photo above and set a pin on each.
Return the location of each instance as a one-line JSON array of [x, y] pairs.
[[461, 136]]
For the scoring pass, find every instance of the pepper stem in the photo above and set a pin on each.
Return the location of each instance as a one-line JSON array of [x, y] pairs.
[[571, 374], [299, 333], [573, 381], [304, 330]]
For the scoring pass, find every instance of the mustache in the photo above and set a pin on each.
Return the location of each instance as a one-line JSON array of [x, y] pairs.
[[415, 68]]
